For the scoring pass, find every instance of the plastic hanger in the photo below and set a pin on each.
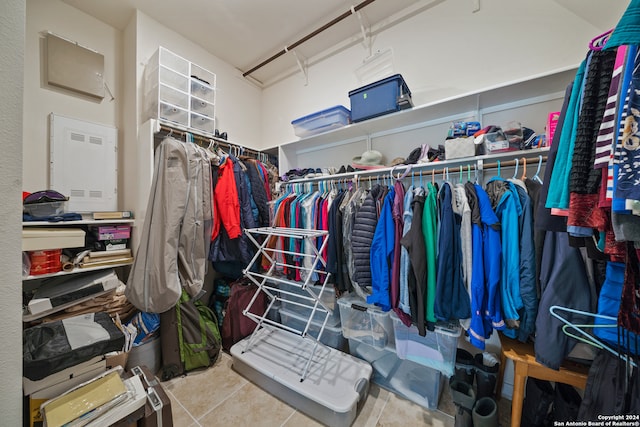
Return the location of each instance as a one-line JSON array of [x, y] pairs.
[[515, 170], [499, 169], [588, 338], [536, 177], [460, 177], [468, 172], [524, 169], [598, 42]]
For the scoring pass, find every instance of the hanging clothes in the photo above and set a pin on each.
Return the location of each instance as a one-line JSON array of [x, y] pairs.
[[564, 282], [544, 220], [486, 312], [508, 209], [405, 263], [364, 227], [451, 299], [227, 201], [178, 222], [608, 127], [558, 193], [629, 313], [413, 241], [335, 250], [350, 210], [462, 209], [528, 282], [258, 191], [628, 175], [430, 232], [382, 249], [230, 255], [398, 222], [584, 180]]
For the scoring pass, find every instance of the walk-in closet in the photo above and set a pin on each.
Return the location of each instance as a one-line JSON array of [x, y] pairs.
[[380, 213]]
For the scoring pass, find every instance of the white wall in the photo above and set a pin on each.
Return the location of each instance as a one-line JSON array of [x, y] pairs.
[[12, 22], [443, 51], [40, 100]]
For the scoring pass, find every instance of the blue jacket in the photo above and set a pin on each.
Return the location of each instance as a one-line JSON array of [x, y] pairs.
[[382, 255], [452, 299], [509, 211], [528, 287], [558, 195], [486, 313]]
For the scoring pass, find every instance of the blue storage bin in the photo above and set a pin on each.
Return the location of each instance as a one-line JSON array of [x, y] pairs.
[[322, 121], [382, 97]]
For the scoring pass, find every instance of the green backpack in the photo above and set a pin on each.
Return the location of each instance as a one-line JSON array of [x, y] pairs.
[[198, 334]]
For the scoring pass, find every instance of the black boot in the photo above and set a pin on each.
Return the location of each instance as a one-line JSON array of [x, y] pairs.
[[465, 368], [539, 396], [485, 413], [464, 398], [486, 377], [566, 403]]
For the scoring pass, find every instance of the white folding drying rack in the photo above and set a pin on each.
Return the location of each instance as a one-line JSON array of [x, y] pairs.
[[266, 282]]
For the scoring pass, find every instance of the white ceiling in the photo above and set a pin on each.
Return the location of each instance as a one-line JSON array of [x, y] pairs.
[[244, 33]]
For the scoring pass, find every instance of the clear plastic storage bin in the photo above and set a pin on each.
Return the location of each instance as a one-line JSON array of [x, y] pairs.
[[328, 298], [436, 350], [45, 208], [365, 322], [419, 384], [174, 114], [331, 335], [322, 121]]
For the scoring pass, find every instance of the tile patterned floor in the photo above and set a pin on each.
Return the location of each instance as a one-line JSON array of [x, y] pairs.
[[219, 396]]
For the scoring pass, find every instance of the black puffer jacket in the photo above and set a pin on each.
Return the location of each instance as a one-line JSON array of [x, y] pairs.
[[258, 192], [364, 227]]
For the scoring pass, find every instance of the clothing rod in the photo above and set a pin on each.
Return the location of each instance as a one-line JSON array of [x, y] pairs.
[[309, 36], [416, 169], [204, 141], [511, 163]]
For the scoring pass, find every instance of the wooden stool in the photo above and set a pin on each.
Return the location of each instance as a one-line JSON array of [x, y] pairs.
[[525, 365]]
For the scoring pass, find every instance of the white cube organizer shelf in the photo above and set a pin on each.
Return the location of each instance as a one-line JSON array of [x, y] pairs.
[[180, 93]]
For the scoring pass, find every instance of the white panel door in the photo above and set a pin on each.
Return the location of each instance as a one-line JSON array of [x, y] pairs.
[[84, 163]]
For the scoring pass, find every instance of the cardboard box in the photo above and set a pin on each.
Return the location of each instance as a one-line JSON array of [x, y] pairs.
[[117, 358], [111, 232]]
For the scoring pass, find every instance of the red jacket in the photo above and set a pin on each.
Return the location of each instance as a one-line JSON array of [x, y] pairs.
[[226, 202]]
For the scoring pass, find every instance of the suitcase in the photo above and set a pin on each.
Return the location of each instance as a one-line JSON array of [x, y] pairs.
[[157, 409]]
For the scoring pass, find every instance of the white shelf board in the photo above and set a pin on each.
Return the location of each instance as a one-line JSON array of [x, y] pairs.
[[79, 222], [531, 88], [74, 271]]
